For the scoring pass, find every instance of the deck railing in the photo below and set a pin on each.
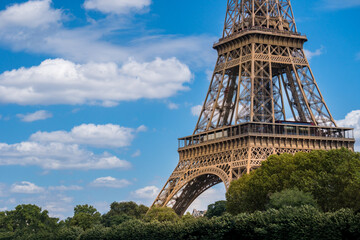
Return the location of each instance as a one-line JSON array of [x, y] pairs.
[[267, 129]]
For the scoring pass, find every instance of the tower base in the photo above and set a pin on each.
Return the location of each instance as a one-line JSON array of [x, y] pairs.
[[225, 154]]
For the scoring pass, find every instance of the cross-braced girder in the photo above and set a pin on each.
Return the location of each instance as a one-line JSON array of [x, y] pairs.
[[247, 14], [250, 81]]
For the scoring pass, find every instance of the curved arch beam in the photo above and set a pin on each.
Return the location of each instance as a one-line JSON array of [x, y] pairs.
[[194, 185]]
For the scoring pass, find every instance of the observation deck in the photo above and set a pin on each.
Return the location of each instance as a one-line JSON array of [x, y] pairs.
[[344, 137]]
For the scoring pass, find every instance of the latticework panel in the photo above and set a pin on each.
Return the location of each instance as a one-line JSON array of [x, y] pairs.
[[268, 14], [248, 85]]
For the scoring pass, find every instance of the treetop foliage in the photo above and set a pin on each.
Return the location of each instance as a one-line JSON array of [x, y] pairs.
[[216, 209], [291, 198], [161, 214], [331, 177]]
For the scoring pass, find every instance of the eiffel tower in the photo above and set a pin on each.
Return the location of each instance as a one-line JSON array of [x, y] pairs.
[[260, 74]]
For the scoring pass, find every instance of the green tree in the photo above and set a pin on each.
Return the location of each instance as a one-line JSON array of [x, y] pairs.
[[69, 233], [216, 209], [187, 217], [85, 216], [123, 211], [29, 219], [332, 177], [95, 233], [291, 198], [128, 208], [114, 220], [161, 214]]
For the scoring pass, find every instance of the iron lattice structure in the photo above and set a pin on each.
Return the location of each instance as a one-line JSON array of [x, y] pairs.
[[260, 72]]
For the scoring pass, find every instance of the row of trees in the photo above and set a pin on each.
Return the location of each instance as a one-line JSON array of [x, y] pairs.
[[31, 222], [305, 222], [307, 196]]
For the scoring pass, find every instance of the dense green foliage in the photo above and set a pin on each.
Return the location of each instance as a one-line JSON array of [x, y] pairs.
[[26, 220], [216, 209], [161, 214], [291, 198], [332, 178], [287, 223], [123, 211], [85, 216]]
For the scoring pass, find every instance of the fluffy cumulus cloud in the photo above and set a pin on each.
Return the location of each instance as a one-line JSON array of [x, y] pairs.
[[67, 150], [36, 116], [31, 14], [108, 136], [54, 156], [116, 6], [26, 188], [196, 110], [110, 182], [36, 27], [59, 81], [352, 120], [146, 195], [149, 192], [310, 54]]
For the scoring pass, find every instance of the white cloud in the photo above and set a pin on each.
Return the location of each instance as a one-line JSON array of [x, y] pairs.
[[210, 196], [352, 120], [110, 182], [58, 204], [172, 106], [36, 116], [309, 54], [137, 153], [26, 188], [116, 6], [63, 188], [142, 128], [336, 4], [65, 150], [31, 14], [196, 110], [59, 81], [3, 209], [55, 156], [3, 191], [37, 28], [149, 192], [108, 135]]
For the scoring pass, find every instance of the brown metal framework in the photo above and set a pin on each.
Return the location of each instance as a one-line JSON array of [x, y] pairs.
[[261, 72]]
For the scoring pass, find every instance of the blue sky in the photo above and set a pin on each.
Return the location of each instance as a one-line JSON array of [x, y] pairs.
[[95, 93]]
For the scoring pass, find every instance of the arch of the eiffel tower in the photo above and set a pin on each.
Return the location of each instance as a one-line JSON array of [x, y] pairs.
[[261, 72]]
